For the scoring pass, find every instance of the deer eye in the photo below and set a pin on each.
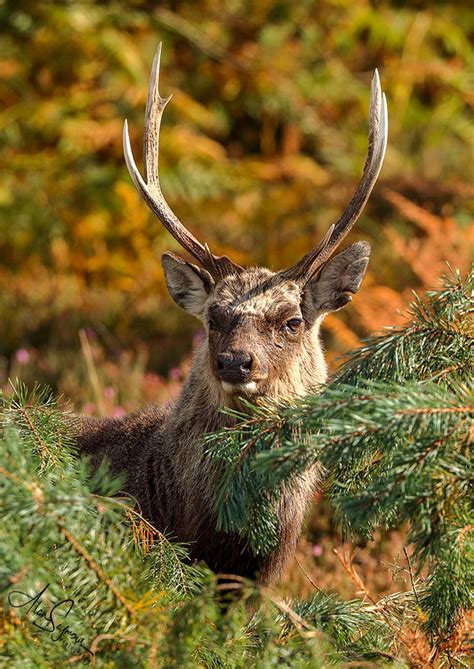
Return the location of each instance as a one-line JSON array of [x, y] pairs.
[[293, 324], [212, 324]]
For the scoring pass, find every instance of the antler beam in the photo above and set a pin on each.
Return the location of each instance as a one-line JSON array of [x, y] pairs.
[[305, 268], [150, 189]]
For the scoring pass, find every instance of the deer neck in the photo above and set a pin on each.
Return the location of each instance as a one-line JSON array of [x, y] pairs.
[[198, 407], [198, 411]]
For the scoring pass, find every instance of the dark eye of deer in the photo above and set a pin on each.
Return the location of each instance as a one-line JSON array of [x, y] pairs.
[[293, 324], [212, 324]]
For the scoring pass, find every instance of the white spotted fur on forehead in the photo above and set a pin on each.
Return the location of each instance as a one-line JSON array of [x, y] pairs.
[[255, 290]]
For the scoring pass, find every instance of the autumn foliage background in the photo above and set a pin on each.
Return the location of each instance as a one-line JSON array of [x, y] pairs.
[[262, 147]]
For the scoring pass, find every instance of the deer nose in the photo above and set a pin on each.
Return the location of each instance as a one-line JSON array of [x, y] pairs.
[[234, 366]]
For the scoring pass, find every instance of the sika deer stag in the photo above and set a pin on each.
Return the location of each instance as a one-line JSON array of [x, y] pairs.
[[262, 340]]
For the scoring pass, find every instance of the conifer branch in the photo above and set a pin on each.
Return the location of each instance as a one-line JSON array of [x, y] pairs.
[[92, 564], [46, 454], [393, 430]]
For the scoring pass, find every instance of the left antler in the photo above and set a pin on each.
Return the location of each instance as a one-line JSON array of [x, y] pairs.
[[150, 190]]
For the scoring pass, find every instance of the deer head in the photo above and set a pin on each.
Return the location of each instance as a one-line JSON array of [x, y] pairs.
[[262, 326]]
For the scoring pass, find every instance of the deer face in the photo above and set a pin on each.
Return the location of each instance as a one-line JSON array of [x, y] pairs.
[[255, 326], [262, 328]]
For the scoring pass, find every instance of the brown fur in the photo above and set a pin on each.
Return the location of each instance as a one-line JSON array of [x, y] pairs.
[[250, 314]]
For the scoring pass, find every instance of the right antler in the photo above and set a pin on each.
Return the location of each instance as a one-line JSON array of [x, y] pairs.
[[312, 262], [217, 266]]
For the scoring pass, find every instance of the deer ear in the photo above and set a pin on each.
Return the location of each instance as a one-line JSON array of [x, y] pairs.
[[342, 275], [188, 285]]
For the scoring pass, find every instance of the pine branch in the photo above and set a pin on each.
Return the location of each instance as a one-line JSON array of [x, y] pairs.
[[393, 431]]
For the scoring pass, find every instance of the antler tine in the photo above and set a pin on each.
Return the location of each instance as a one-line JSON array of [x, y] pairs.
[[150, 188], [305, 268]]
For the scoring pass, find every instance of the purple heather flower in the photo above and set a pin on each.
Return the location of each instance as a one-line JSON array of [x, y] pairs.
[[109, 393], [22, 356], [317, 550], [175, 374]]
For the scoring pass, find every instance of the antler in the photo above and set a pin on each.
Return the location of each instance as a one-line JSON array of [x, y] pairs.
[[150, 190], [305, 268]]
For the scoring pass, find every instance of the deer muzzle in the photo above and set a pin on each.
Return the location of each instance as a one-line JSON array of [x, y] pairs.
[[238, 372], [234, 366]]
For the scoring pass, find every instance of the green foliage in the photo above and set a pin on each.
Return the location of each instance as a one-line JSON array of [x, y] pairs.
[[397, 450], [74, 582], [36, 417], [440, 333], [60, 531]]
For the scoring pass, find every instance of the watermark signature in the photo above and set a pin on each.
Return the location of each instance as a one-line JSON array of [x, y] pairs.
[[47, 619]]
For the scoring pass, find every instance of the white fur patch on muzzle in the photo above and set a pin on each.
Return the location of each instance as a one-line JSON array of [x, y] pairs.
[[249, 388]]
